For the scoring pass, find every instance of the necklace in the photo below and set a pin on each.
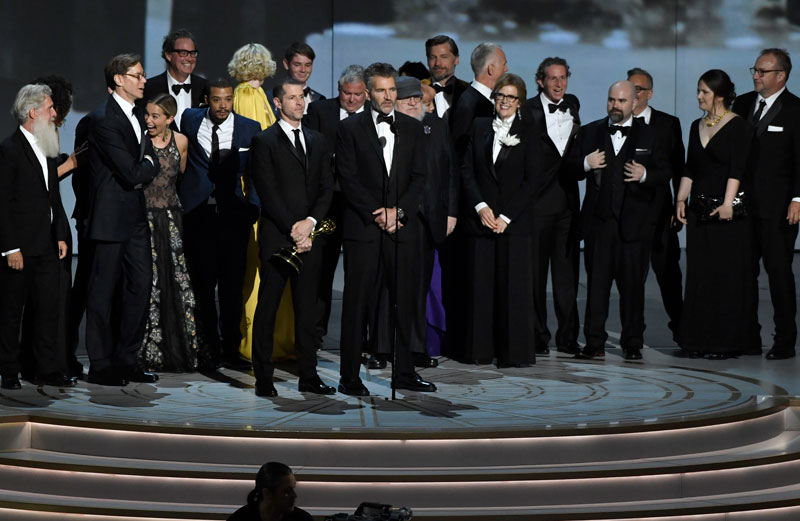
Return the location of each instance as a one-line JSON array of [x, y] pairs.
[[710, 123]]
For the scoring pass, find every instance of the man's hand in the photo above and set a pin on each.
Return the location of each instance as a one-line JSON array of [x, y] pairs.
[[487, 218], [634, 171], [302, 230], [386, 218], [304, 245], [62, 249], [596, 159], [501, 226], [451, 224], [680, 211], [15, 261], [793, 214]]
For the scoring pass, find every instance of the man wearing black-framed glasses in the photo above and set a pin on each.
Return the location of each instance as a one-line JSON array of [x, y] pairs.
[[179, 51], [774, 198]]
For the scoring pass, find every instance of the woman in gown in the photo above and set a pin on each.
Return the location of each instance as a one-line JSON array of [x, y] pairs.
[[170, 340], [720, 304], [250, 66], [498, 175]]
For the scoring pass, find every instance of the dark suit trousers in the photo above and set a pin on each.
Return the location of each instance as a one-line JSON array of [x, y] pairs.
[[500, 299], [274, 274], [455, 279], [608, 258], [124, 269], [555, 246], [331, 251], [665, 259], [775, 242], [216, 254], [369, 267], [427, 250], [37, 284], [80, 287]]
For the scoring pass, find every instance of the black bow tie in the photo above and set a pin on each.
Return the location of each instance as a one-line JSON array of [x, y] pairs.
[[383, 118], [561, 106], [447, 89], [306, 90], [613, 129], [178, 86]]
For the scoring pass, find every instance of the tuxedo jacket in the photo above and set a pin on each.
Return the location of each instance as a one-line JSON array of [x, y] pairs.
[[82, 175], [158, 84], [26, 203], [291, 187], [668, 128], [364, 180], [472, 104], [558, 191], [507, 185], [459, 87], [440, 195], [119, 170], [225, 181], [315, 96], [323, 116], [639, 201], [774, 161]]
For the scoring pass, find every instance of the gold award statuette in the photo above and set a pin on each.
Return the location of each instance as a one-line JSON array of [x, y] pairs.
[[292, 257]]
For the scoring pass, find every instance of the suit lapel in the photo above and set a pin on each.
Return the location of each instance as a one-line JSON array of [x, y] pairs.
[[31, 156], [372, 135], [769, 116], [515, 130], [290, 146], [488, 150]]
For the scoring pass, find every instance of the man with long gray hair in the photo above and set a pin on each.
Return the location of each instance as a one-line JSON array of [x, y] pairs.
[[32, 237]]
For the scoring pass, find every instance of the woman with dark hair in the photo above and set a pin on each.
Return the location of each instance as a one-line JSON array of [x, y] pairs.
[[273, 497], [720, 304], [498, 174], [170, 339]]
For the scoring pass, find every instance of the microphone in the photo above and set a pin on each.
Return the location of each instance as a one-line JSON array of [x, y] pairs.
[[382, 141]]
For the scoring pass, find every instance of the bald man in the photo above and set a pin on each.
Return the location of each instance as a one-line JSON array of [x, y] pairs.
[[625, 167]]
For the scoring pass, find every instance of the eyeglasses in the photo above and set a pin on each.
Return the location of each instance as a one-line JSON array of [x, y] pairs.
[[506, 97], [762, 72], [640, 89], [138, 76], [183, 53]]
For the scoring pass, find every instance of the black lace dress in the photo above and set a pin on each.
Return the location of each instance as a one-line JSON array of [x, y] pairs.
[[170, 340]]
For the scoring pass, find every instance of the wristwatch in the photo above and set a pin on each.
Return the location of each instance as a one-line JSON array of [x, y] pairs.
[[401, 216]]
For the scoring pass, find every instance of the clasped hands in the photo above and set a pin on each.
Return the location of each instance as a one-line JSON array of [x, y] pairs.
[[633, 170], [386, 219], [488, 219], [301, 235], [15, 261]]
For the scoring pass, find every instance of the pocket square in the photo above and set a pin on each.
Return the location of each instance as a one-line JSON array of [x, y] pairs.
[[772, 128], [642, 150], [245, 149]]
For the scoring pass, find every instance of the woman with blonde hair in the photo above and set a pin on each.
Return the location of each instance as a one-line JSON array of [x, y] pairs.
[[250, 66]]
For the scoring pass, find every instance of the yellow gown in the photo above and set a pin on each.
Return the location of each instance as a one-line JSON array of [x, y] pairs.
[[252, 103]]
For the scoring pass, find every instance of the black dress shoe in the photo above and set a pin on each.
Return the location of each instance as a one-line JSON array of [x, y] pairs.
[[266, 390], [374, 362], [780, 354], [316, 386], [423, 360], [415, 383], [57, 380], [483, 361], [139, 375], [719, 356], [590, 353], [10, 382], [237, 363], [74, 368], [353, 388], [632, 354], [570, 349], [542, 350], [107, 377]]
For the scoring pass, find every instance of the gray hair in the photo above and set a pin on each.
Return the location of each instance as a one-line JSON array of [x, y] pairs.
[[481, 56], [29, 97], [352, 74]]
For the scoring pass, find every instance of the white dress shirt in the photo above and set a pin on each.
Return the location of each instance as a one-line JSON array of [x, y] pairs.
[[645, 114], [385, 131], [127, 108], [501, 129], [770, 101], [559, 124], [483, 89], [224, 133], [617, 141], [440, 100], [184, 98], [344, 115]]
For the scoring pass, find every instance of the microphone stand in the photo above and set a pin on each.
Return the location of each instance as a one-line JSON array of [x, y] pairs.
[[393, 294]]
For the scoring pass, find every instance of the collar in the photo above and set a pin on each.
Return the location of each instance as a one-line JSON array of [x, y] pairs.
[[646, 113], [628, 123], [126, 107], [547, 101], [771, 99], [224, 125], [374, 114], [29, 136], [288, 128], [504, 123], [483, 89], [172, 81]]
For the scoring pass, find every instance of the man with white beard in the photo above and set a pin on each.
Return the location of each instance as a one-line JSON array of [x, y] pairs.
[[32, 238]]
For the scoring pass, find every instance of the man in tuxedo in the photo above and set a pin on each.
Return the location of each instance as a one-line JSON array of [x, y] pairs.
[[625, 168], [556, 245], [442, 53], [217, 220], [774, 199], [298, 60], [32, 239], [666, 252], [122, 160], [179, 51], [324, 116], [379, 159], [291, 170], [434, 208]]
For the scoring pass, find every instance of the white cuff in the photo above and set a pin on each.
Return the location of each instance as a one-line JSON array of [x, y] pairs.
[[796, 199], [506, 219], [644, 176], [586, 164], [312, 220], [9, 252], [480, 206]]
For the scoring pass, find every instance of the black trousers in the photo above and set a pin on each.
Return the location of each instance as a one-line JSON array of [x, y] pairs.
[[128, 267], [215, 244], [370, 267], [274, 275], [608, 258], [37, 284], [331, 251], [80, 287], [556, 248], [455, 294], [775, 245], [427, 255], [665, 257]]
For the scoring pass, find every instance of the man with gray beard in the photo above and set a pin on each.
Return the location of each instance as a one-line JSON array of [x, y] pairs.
[[32, 238]]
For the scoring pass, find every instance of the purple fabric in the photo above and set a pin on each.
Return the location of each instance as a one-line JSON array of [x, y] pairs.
[[435, 311]]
